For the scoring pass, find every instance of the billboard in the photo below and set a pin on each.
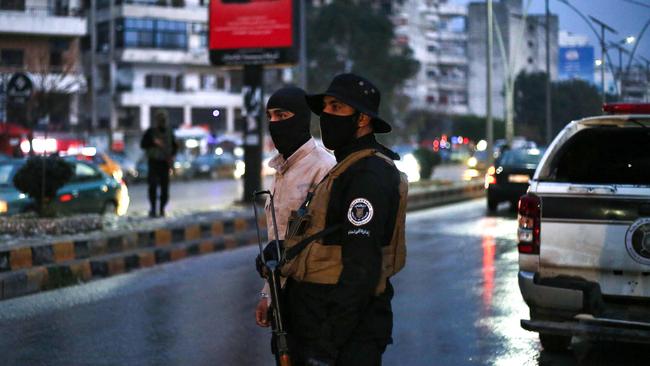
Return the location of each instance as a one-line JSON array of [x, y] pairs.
[[253, 32], [576, 63]]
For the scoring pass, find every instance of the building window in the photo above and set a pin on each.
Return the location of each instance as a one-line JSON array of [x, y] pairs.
[[171, 34], [201, 30], [158, 81], [103, 32], [57, 48], [151, 33], [12, 5], [530, 44], [530, 60], [12, 57], [213, 82]]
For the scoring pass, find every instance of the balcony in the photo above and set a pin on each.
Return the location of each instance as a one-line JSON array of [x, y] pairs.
[[452, 10], [158, 56], [446, 36], [43, 20], [162, 9]]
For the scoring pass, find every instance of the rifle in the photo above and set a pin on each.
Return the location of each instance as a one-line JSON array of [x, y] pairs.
[[273, 278]]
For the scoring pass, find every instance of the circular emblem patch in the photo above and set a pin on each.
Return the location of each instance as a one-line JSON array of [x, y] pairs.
[[637, 241], [360, 212]]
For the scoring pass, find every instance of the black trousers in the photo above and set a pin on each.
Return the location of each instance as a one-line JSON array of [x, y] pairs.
[[158, 176], [354, 353]]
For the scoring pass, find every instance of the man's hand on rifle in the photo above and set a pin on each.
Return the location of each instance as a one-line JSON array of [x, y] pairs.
[[270, 253], [261, 313]]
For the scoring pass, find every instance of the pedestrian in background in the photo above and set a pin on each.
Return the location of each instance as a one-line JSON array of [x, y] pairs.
[[300, 164], [338, 293], [160, 147]]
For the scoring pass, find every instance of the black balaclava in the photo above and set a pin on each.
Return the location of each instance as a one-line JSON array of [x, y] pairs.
[[290, 134], [338, 131]]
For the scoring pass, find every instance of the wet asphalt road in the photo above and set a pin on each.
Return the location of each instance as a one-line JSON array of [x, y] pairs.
[[457, 303]]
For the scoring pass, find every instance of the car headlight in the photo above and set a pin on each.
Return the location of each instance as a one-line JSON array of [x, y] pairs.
[[118, 175], [472, 162], [4, 207], [240, 169]]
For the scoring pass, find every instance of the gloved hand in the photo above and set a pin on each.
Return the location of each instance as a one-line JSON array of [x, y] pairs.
[[270, 253], [313, 361]]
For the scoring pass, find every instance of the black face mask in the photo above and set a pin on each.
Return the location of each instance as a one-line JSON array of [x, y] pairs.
[[288, 136], [338, 131]]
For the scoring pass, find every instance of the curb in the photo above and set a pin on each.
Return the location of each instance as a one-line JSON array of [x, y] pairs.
[[28, 269], [31, 269], [422, 199]]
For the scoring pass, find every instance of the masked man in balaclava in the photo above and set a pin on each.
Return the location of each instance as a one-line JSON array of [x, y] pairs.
[[338, 293], [160, 147], [300, 164]]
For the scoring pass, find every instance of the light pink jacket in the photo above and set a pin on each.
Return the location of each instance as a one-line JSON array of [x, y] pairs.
[[294, 178]]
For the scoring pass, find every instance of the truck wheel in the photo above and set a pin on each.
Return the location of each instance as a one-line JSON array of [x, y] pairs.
[[554, 343]]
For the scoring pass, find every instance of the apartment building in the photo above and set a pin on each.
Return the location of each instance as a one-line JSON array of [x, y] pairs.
[[519, 45], [435, 31], [152, 54], [41, 39]]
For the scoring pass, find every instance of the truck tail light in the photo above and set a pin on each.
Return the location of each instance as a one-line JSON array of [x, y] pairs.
[[490, 177], [529, 217], [627, 108]]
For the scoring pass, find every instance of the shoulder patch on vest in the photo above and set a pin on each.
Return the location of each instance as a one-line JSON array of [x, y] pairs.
[[360, 212]]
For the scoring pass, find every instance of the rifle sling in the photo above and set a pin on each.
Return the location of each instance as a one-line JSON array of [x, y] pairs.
[[293, 252]]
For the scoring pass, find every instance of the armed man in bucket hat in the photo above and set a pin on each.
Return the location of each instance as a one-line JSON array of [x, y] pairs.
[[347, 238]]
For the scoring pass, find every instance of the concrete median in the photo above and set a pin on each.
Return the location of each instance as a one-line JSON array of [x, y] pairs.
[[33, 267]]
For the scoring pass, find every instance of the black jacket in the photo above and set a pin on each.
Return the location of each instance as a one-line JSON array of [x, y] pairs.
[[325, 317], [167, 152]]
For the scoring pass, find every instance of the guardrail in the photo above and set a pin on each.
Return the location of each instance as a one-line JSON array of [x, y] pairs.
[[34, 267]]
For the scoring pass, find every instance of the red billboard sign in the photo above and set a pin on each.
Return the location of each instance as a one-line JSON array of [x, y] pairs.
[[252, 32]]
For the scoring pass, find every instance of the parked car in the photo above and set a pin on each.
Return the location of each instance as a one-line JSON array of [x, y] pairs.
[[107, 164], [128, 166], [508, 179], [214, 166], [182, 168], [89, 191], [584, 232]]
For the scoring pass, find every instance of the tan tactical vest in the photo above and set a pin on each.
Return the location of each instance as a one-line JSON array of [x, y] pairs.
[[318, 263]]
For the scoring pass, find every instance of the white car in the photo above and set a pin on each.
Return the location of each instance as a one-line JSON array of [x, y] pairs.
[[584, 232]]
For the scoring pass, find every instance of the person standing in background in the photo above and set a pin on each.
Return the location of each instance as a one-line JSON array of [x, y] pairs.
[[160, 147]]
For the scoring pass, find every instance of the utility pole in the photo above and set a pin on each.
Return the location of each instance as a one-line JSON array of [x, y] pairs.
[[302, 63], [547, 27], [488, 96], [603, 27], [93, 66]]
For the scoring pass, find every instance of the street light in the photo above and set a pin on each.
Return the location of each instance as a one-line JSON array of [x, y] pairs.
[[601, 39], [603, 27], [629, 39]]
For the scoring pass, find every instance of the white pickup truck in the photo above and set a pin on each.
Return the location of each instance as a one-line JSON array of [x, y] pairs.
[[584, 232]]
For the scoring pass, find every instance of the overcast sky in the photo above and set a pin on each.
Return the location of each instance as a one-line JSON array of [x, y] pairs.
[[626, 16]]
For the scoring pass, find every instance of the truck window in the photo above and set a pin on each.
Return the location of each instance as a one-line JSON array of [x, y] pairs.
[[604, 156]]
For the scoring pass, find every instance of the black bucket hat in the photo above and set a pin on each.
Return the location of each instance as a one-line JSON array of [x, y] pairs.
[[357, 92]]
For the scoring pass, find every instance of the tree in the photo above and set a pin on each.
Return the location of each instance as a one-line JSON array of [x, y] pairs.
[[357, 36], [474, 127], [40, 178], [571, 99]]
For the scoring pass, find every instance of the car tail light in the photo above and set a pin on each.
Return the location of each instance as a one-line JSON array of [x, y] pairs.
[[490, 177], [529, 218], [65, 197]]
